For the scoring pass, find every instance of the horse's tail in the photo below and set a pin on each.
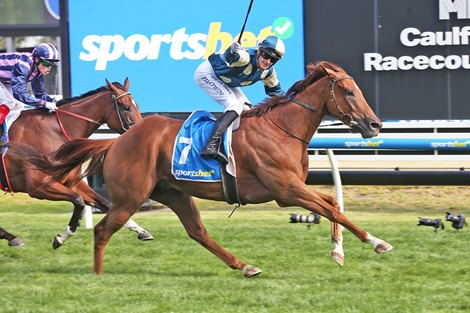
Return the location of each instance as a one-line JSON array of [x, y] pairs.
[[68, 157]]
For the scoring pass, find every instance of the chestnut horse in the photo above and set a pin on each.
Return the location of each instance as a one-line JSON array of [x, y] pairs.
[[77, 117], [270, 149]]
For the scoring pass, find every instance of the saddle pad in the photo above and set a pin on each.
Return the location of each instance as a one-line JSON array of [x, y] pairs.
[[187, 164]]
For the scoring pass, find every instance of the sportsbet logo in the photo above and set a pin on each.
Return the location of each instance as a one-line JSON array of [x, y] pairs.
[[137, 47]]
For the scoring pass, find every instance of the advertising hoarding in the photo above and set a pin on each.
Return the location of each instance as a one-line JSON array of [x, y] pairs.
[[159, 44]]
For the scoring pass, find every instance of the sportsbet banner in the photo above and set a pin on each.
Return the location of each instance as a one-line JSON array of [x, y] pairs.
[[159, 44]]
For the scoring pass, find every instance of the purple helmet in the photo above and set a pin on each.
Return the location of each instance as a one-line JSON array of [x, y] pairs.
[[47, 51]]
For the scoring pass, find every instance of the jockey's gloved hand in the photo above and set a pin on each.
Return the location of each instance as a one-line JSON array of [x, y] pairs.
[[235, 47], [50, 106]]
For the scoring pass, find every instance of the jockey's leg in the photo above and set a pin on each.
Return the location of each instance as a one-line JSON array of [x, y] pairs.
[[4, 110], [212, 148]]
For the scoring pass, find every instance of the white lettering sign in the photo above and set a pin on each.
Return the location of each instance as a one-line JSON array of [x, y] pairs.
[[461, 7]]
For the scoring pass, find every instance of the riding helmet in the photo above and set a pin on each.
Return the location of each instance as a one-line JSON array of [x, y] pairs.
[[273, 44], [47, 51]]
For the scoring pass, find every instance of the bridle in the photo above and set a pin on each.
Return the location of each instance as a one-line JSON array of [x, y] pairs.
[[125, 123], [345, 119], [123, 120]]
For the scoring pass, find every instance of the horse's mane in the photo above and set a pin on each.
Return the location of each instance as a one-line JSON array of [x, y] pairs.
[[88, 94], [316, 71]]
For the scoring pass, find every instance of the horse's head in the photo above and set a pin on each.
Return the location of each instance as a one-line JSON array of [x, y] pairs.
[[346, 102], [125, 111]]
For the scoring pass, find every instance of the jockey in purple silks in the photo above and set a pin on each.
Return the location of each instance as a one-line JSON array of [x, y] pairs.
[[222, 75], [16, 71]]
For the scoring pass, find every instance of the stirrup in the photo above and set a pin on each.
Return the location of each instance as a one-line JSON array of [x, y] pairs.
[[214, 154]]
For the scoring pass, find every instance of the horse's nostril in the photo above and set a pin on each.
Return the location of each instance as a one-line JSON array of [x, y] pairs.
[[375, 125]]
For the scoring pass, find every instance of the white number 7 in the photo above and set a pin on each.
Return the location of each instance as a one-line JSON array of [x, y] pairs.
[[185, 151]]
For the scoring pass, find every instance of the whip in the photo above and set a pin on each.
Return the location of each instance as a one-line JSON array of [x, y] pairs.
[[244, 23]]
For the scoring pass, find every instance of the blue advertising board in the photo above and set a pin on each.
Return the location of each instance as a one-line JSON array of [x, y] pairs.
[[159, 44]]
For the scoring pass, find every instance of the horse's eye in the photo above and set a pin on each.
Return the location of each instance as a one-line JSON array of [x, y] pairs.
[[127, 107], [349, 92]]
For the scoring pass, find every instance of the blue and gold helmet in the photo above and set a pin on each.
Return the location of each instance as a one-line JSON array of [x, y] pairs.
[[47, 51], [273, 44]]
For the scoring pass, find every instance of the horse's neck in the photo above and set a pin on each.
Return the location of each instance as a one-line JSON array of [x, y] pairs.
[[298, 120], [89, 108]]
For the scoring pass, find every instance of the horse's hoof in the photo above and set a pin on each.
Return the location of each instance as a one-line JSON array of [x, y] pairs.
[[338, 257], [57, 242], [144, 236], [383, 247], [250, 271], [16, 243]]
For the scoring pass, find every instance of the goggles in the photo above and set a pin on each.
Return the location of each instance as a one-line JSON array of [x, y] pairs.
[[48, 63], [265, 55]]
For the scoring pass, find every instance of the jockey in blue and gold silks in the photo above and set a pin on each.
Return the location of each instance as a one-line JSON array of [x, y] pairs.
[[222, 75], [16, 71]]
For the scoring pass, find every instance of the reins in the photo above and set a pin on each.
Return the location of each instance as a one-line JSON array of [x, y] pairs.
[[346, 119], [115, 106]]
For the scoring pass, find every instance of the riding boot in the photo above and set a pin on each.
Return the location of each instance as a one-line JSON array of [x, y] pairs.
[[4, 110], [212, 148]]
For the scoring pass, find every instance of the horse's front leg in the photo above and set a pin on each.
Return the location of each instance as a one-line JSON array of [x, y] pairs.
[[50, 189], [294, 192], [94, 199], [185, 208]]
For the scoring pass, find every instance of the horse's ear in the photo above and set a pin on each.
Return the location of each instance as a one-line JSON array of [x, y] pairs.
[[329, 72], [108, 83], [126, 84]]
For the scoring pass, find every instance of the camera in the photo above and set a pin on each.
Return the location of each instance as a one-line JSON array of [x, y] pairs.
[[300, 218], [436, 223], [458, 221]]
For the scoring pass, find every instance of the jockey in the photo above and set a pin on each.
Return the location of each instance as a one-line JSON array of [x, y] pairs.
[[16, 70], [222, 75]]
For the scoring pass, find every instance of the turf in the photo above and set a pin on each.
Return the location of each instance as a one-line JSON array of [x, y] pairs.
[[426, 272]]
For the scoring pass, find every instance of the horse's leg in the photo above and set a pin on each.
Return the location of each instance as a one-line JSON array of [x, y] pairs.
[[336, 232], [185, 208], [94, 199], [118, 215], [291, 191], [50, 189], [13, 241]]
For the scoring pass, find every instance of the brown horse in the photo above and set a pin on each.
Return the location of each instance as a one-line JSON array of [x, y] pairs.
[[77, 117], [270, 149], [13, 241]]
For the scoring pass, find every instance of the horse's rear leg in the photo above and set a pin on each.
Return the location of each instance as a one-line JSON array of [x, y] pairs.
[[336, 232], [51, 189], [185, 208], [94, 199], [111, 223]]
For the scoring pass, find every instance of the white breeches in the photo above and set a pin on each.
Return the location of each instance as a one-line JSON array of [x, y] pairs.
[[14, 105], [231, 98]]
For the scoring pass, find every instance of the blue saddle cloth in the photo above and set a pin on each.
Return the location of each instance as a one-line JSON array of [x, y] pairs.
[[187, 164]]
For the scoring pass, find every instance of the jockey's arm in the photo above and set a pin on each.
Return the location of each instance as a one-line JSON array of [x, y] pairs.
[[239, 58], [272, 86], [19, 85], [39, 89]]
